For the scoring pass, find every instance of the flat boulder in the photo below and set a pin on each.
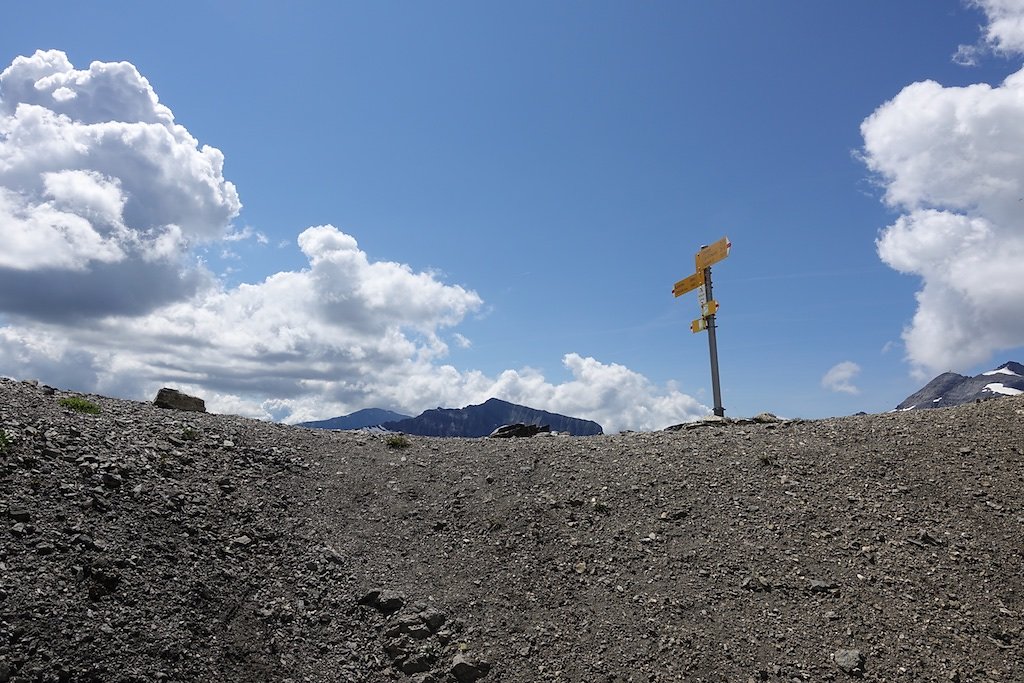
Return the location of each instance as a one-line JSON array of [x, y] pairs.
[[518, 429], [176, 400]]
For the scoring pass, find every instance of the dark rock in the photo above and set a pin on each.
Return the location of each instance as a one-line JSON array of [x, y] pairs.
[[369, 598], [107, 579], [818, 586], [384, 601], [518, 430], [111, 480], [466, 670], [389, 602], [756, 583], [418, 662], [176, 400], [399, 648], [19, 515], [433, 618]]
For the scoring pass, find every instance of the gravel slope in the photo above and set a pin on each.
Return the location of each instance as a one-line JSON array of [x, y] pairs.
[[142, 544]]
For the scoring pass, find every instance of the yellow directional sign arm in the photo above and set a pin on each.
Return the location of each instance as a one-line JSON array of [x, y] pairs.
[[712, 253], [688, 284]]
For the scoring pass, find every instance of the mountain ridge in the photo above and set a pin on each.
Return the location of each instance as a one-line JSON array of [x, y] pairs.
[[482, 419], [367, 417], [952, 389]]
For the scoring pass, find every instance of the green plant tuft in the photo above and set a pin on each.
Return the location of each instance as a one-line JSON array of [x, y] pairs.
[[5, 442], [189, 434], [81, 405], [397, 441]]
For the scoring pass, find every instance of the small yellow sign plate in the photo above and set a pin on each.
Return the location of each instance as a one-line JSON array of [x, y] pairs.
[[698, 325], [688, 284], [709, 308], [712, 253]]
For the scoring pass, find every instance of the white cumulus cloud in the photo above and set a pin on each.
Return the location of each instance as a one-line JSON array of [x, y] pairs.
[[1003, 32], [840, 376], [951, 159], [1005, 29], [100, 189]]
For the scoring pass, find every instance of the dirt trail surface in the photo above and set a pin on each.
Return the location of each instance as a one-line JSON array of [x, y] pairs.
[[141, 544]]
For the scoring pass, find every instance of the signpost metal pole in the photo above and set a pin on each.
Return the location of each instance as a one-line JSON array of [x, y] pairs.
[[716, 388], [701, 281]]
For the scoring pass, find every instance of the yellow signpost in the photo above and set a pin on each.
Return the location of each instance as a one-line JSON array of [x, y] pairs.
[[713, 253], [701, 281], [688, 284]]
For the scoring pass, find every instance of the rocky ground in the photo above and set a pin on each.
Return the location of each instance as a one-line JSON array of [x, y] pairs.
[[141, 544]]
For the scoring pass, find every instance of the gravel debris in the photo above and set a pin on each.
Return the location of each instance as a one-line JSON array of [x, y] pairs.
[[147, 544]]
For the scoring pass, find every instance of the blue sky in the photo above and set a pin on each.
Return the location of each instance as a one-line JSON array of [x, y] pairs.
[[525, 182]]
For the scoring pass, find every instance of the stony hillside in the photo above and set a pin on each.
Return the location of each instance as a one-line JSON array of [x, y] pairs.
[[143, 544]]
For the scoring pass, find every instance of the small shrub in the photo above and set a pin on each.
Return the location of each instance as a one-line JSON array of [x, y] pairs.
[[398, 441], [80, 405], [5, 442], [189, 434]]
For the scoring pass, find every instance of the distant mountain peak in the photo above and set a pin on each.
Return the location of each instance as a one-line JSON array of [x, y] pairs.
[[367, 417], [481, 420], [1008, 368], [952, 389]]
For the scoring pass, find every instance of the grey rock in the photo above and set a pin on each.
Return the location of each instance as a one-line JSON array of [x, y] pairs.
[[433, 618], [415, 663], [111, 480], [424, 678], [818, 586], [176, 400], [384, 601], [399, 648], [466, 670], [756, 583], [850, 661], [390, 602]]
